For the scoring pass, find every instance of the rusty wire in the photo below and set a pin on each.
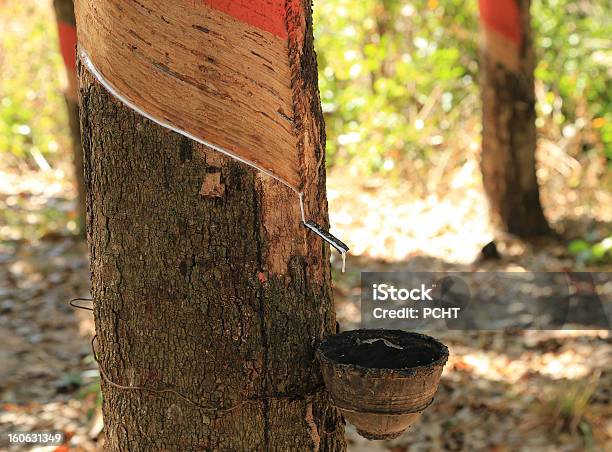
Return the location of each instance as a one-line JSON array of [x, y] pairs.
[[308, 397]]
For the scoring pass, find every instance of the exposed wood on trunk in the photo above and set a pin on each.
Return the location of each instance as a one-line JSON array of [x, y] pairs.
[[221, 298], [500, 49], [200, 69], [509, 133], [501, 33], [212, 185]]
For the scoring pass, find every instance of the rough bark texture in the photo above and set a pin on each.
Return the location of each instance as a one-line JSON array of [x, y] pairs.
[[64, 12], [204, 282], [509, 138], [77, 159]]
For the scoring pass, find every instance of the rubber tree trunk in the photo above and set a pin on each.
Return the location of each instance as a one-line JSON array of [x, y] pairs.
[[64, 12], [205, 283], [508, 109]]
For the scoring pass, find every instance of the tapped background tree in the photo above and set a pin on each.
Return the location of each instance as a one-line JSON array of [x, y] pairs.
[[204, 281], [66, 25], [507, 62]]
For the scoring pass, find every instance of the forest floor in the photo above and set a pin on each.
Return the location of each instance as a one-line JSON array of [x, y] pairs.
[[500, 391]]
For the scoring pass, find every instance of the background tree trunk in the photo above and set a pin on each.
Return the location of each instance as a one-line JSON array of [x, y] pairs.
[[509, 132], [64, 12], [204, 282]]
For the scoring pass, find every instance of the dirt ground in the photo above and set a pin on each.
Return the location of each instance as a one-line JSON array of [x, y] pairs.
[[500, 391]]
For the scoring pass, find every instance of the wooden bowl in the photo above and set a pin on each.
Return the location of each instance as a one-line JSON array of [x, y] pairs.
[[381, 380]]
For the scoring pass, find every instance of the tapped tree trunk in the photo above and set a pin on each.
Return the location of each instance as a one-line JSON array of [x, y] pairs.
[[508, 108], [66, 24], [206, 284]]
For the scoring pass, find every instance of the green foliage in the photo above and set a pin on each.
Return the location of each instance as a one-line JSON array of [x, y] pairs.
[[575, 63], [398, 78], [591, 252], [32, 109], [395, 76]]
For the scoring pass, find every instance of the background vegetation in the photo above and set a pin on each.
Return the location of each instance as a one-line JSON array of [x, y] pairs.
[[399, 78], [399, 90]]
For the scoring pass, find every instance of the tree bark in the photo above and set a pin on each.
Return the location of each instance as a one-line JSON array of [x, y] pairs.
[[77, 161], [509, 132], [205, 283]]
